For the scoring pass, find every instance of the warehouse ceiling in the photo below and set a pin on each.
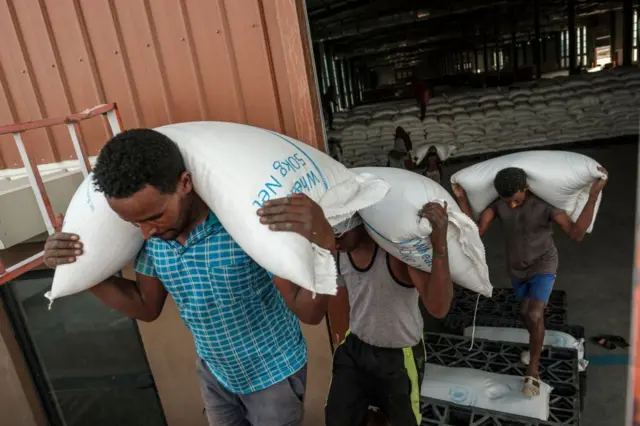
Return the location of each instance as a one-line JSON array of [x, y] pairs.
[[392, 29]]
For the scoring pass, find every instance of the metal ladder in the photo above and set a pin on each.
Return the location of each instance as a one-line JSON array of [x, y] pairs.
[[108, 111]]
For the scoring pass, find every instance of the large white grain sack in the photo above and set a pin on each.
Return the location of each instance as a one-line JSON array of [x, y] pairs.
[[394, 224], [444, 151], [236, 168], [482, 389], [562, 179], [109, 243]]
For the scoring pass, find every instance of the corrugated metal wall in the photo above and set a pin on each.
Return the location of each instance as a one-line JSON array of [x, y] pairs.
[[162, 61]]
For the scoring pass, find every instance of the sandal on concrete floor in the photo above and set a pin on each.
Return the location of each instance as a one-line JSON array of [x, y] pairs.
[[529, 389]]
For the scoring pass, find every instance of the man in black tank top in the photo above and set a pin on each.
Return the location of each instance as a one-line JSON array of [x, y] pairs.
[[532, 257], [381, 361]]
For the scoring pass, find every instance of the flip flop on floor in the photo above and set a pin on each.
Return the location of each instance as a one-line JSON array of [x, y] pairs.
[[529, 389], [610, 342], [617, 340]]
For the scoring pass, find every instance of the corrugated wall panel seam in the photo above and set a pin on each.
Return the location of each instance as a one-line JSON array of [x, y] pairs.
[[41, 154], [162, 61], [274, 80], [195, 63], [166, 96], [125, 64]]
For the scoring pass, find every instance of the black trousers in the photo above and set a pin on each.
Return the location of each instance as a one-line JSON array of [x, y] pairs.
[[365, 375]]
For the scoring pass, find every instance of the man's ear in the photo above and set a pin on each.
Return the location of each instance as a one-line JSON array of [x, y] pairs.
[[185, 184]]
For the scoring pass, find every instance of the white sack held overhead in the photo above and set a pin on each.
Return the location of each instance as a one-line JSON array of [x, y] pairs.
[[562, 179], [444, 151], [236, 168], [482, 389], [109, 243], [394, 224]]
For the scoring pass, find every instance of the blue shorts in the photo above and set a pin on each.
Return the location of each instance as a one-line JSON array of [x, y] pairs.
[[537, 287]]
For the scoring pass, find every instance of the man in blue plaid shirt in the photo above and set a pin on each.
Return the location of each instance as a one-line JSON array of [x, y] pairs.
[[245, 322]]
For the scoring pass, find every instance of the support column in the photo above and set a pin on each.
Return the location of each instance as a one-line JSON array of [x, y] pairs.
[[573, 48], [476, 62], [349, 72], [627, 33], [537, 59], [558, 44], [514, 40], [485, 56], [614, 34]]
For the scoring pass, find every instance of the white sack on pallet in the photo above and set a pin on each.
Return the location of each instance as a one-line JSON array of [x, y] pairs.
[[235, 168], [563, 179], [482, 389], [552, 338], [394, 224]]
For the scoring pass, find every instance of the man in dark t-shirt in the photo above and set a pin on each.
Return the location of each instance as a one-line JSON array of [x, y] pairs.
[[532, 257]]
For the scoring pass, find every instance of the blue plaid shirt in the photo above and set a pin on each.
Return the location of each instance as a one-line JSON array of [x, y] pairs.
[[242, 326]]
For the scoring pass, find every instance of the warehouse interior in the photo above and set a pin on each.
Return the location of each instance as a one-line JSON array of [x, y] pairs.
[[503, 76]]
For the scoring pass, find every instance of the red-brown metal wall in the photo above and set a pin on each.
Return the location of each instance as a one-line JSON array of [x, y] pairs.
[[162, 61]]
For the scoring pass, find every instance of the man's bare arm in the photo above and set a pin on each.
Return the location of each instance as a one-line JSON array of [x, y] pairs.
[[308, 309], [142, 299]]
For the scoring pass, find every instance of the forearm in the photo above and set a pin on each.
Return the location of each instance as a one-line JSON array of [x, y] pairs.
[[308, 309], [124, 295], [464, 205], [439, 293], [435, 288], [579, 229]]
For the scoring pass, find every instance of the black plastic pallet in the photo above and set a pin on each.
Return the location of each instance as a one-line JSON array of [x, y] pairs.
[[563, 411], [504, 305], [456, 325], [558, 368], [505, 296]]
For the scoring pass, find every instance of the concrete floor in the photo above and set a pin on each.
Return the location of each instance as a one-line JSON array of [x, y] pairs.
[[596, 275]]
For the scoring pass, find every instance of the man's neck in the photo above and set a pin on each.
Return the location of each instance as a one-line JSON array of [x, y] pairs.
[[198, 213], [365, 248]]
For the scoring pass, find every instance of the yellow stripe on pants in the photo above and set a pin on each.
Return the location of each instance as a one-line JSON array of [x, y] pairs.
[[412, 372]]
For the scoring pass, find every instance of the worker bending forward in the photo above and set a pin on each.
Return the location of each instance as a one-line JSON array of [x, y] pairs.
[[381, 360]]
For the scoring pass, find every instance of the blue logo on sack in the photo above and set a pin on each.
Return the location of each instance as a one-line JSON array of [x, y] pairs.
[[459, 395]]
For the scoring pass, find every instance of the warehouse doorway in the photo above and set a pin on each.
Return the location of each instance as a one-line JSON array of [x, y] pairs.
[[502, 77]]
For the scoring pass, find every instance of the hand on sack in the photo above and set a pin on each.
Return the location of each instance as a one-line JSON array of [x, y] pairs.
[[599, 185], [437, 216], [61, 248], [458, 192], [299, 214]]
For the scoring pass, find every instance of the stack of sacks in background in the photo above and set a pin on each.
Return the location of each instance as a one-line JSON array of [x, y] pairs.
[[526, 115]]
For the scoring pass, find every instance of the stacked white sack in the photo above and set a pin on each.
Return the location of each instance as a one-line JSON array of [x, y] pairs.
[[394, 224], [547, 112], [235, 168], [563, 179]]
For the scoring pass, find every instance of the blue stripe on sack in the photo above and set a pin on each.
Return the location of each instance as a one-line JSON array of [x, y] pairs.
[[324, 180]]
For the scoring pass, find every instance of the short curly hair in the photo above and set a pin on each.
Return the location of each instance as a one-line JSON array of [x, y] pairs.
[[510, 181], [136, 158]]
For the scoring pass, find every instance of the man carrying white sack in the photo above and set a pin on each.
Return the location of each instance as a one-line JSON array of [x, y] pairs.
[[381, 361], [251, 353], [532, 256]]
